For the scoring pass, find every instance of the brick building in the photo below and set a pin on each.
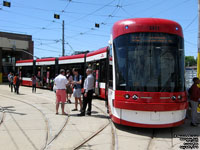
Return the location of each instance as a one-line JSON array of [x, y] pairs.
[[13, 47]]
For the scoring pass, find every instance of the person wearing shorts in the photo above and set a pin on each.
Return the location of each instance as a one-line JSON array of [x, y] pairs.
[[77, 89], [60, 83]]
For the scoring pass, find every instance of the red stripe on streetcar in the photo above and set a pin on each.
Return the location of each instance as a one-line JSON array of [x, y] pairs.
[[102, 93], [24, 61], [26, 83], [102, 50], [45, 59], [72, 57]]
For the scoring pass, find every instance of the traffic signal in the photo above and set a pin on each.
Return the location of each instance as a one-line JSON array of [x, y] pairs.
[[96, 25], [7, 4], [56, 16]]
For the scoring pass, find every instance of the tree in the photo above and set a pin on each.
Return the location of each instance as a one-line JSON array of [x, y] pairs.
[[190, 61]]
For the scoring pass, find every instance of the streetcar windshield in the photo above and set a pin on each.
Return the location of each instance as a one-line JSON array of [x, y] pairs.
[[152, 62]]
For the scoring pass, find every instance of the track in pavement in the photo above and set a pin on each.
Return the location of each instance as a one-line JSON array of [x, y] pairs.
[[48, 141], [154, 136], [114, 134]]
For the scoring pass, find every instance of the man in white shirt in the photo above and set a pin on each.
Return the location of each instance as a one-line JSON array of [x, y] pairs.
[[88, 93], [60, 83]]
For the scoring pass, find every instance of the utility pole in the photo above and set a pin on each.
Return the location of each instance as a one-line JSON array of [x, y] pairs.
[[63, 38], [198, 56]]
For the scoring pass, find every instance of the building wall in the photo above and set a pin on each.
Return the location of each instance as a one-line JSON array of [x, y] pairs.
[[13, 47], [0, 65]]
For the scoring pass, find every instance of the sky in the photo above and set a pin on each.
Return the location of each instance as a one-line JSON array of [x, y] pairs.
[[36, 18]]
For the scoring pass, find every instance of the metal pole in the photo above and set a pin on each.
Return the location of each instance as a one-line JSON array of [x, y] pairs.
[[198, 57], [63, 38]]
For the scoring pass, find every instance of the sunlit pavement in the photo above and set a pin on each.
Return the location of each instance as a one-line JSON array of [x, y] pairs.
[[28, 121]]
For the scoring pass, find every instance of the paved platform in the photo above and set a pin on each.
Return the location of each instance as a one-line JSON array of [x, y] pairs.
[[28, 122]]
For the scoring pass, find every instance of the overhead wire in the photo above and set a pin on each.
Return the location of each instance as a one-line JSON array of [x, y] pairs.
[[28, 16], [46, 50], [195, 18], [85, 16], [87, 3], [102, 23], [91, 13]]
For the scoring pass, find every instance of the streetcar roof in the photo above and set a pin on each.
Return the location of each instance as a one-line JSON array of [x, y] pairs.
[[46, 59], [72, 57], [146, 25]]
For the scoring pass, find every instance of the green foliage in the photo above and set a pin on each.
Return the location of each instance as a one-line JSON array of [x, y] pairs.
[[190, 61]]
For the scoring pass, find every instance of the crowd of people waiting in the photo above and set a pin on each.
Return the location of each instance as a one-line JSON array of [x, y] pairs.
[[63, 86], [14, 82]]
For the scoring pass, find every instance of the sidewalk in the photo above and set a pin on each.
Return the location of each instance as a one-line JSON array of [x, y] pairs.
[[30, 123]]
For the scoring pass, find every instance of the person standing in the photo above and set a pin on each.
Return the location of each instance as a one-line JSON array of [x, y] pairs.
[[34, 80], [9, 78], [11, 81], [88, 93], [60, 82], [69, 86], [17, 83], [194, 92], [77, 89]]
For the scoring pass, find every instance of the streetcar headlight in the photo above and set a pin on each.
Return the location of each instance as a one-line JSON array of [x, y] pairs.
[[126, 27], [127, 96], [179, 97], [135, 97], [173, 97]]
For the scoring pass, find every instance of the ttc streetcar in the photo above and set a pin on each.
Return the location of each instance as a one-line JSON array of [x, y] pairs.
[[140, 73], [148, 84]]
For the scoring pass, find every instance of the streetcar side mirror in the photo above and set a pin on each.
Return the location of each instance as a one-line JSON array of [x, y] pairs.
[[109, 42]]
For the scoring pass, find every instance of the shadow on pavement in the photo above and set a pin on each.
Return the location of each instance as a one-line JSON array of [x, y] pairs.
[[184, 129], [8, 109]]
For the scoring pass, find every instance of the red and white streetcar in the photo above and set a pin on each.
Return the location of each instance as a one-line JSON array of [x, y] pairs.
[[148, 84], [141, 73]]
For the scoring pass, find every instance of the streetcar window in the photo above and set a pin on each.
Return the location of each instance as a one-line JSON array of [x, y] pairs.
[[102, 71], [149, 62], [27, 71], [110, 69]]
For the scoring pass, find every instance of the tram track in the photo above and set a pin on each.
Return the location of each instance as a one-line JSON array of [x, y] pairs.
[[113, 130], [96, 133], [48, 140], [44, 117], [151, 140], [155, 134]]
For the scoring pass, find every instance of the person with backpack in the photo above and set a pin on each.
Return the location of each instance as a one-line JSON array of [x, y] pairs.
[[194, 93], [9, 78], [77, 89]]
